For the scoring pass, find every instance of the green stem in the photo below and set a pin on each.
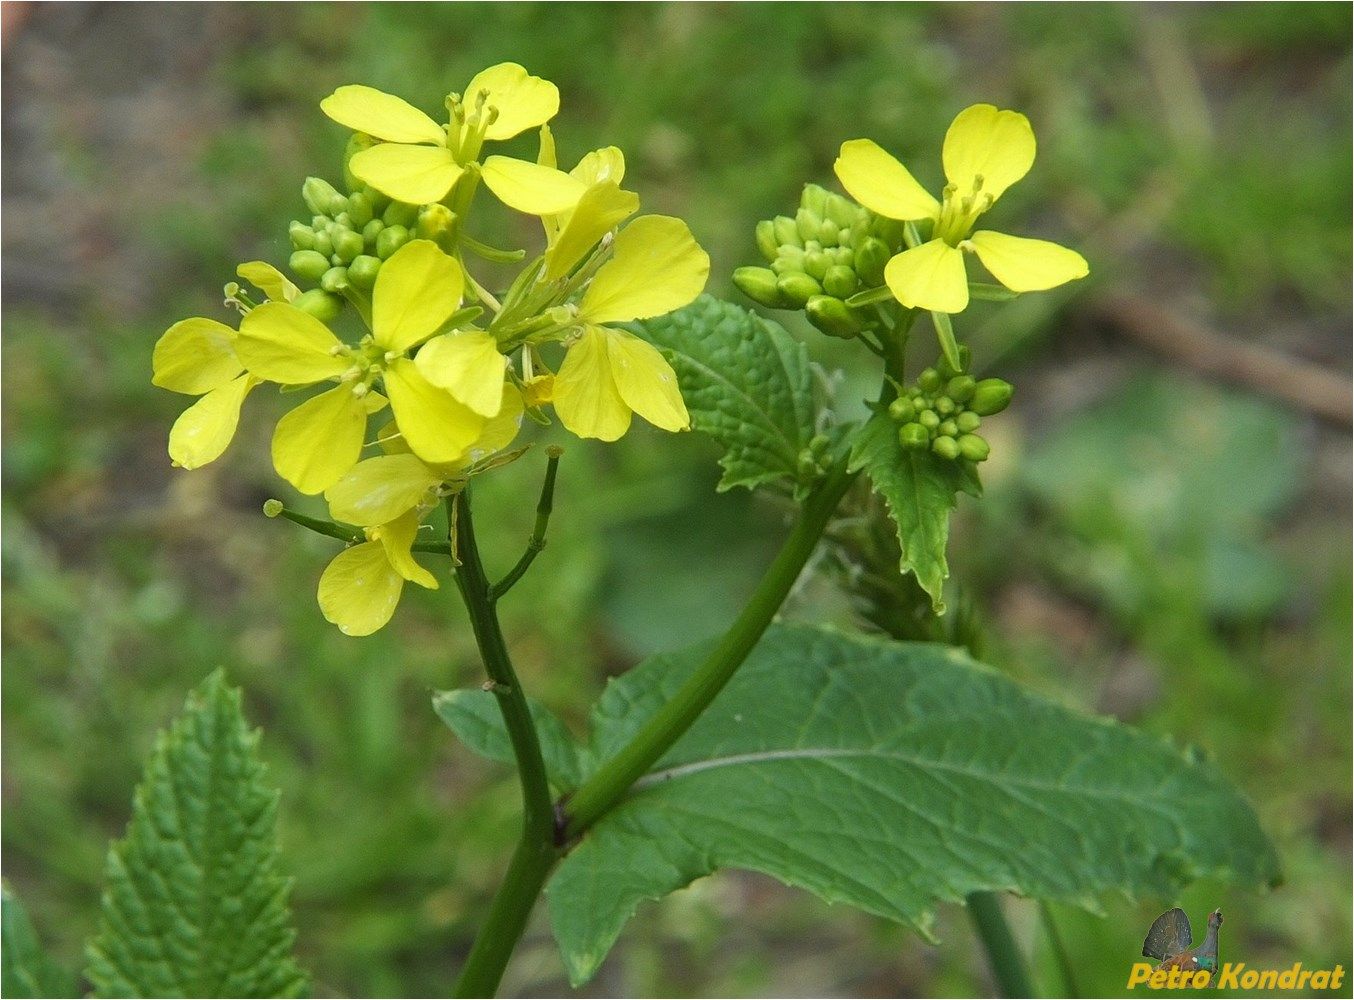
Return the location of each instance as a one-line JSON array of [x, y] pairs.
[[608, 785], [536, 543], [1008, 964], [536, 851]]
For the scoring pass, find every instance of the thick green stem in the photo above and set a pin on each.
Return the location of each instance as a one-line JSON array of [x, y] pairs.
[[1008, 964], [609, 784], [536, 850]]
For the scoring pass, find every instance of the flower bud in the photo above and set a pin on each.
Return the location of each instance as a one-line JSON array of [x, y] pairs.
[[324, 244], [357, 142], [960, 388], [806, 223], [974, 448], [928, 419], [842, 213], [766, 239], [308, 264], [786, 231], [888, 230], [967, 422], [362, 271], [902, 410], [798, 288], [759, 284], [827, 233], [840, 281], [871, 256], [814, 198], [318, 194], [843, 257], [816, 264], [302, 236], [914, 436], [347, 245], [929, 380], [946, 447], [324, 306], [334, 280], [343, 220], [359, 209], [369, 233], [991, 395], [944, 405], [390, 240], [397, 213], [832, 316], [948, 428]]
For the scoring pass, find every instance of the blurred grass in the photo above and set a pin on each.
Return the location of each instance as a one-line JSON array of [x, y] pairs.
[[1203, 153]]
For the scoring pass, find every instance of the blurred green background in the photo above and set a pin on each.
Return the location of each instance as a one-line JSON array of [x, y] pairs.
[[1157, 543]]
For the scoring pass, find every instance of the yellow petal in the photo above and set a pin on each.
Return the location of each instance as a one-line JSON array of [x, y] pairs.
[[360, 589], [281, 343], [523, 101], [195, 356], [585, 394], [646, 381], [996, 145], [545, 155], [530, 187], [602, 208], [397, 538], [320, 440], [380, 489], [419, 175], [657, 266], [203, 431], [882, 184], [500, 430], [600, 166], [1025, 265], [385, 116], [416, 290], [269, 280], [930, 276], [435, 426], [468, 366]]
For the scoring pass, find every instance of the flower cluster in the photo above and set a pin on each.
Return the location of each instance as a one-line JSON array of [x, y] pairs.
[[455, 365], [943, 410]]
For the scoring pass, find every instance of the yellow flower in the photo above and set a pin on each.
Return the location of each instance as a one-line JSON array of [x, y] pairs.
[[197, 357], [602, 207], [607, 374], [388, 496], [417, 291], [269, 280], [419, 161], [985, 152]]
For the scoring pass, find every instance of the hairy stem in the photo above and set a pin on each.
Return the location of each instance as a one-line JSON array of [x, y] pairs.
[[609, 784], [1008, 964], [536, 851]]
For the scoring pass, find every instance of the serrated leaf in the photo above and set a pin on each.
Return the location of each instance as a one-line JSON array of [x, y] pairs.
[[194, 904], [477, 722], [892, 776], [746, 382], [919, 489], [25, 969]]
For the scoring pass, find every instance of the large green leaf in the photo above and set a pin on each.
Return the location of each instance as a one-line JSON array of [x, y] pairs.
[[919, 488], [194, 904], [891, 776], [746, 382], [25, 969]]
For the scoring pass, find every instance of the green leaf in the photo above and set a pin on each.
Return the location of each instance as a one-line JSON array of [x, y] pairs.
[[746, 382], [892, 776], [25, 969], [194, 905], [477, 722], [919, 488]]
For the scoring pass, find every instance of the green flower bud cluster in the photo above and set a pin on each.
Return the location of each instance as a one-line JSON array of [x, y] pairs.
[[348, 236], [830, 250], [943, 411]]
